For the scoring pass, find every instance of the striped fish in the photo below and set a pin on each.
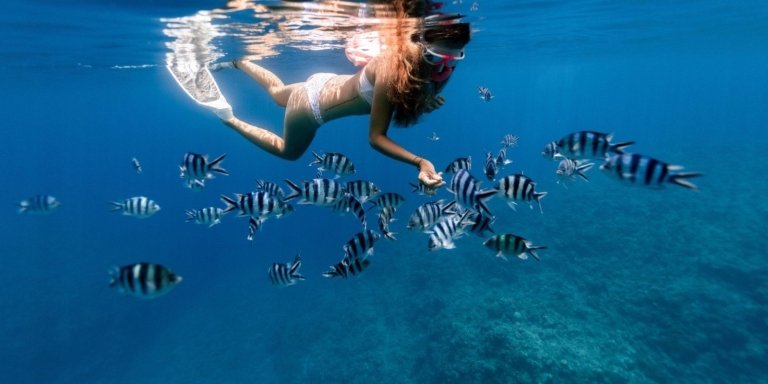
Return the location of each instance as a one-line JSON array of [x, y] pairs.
[[638, 169], [568, 169], [139, 206], [361, 189], [347, 268], [197, 167], [443, 233], [482, 224], [421, 189], [270, 187], [464, 163], [207, 215], [584, 145], [387, 200], [143, 280], [519, 187], [427, 214], [509, 140], [257, 204], [509, 244], [491, 168], [349, 203], [285, 274], [360, 245], [501, 158], [385, 217], [468, 194], [322, 192], [136, 165], [39, 204], [254, 225], [334, 162]]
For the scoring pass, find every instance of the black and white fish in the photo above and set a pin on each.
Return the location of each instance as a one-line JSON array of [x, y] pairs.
[[468, 194], [136, 165], [501, 158], [139, 206], [385, 217], [491, 168], [481, 224], [460, 163], [427, 214], [207, 215], [360, 245], [270, 187], [508, 244], [347, 268], [584, 145], [285, 274], [336, 163], [509, 140], [445, 231], [568, 169], [434, 136], [361, 189], [197, 167], [143, 280], [421, 189], [485, 93], [350, 204], [257, 204], [643, 170], [322, 192], [39, 204], [387, 200], [519, 187], [254, 225]]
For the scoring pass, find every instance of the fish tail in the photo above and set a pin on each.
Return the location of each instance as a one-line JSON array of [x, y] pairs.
[[532, 251], [318, 159], [114, 273], [414, 186], [619, 147], [116, 206], [231, 204], [295, 190], [23, 206], [214, 165], [583, 168], [190, 215], [680, 179], [482, 196]]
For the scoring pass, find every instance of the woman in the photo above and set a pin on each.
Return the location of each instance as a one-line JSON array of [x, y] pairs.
[[401, 84]]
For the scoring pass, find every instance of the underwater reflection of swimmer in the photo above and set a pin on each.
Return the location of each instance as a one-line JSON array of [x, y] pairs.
[[400, 84]]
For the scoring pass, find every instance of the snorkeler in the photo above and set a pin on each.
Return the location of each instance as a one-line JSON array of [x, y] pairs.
[[400, 84]]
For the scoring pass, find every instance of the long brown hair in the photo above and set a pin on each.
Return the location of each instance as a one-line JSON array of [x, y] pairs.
[[410, 85]]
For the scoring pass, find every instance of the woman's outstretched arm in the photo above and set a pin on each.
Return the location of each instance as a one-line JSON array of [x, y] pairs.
[[381, 115]]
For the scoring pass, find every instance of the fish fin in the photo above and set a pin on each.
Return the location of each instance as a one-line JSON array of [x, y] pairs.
[[231, 204], [217, 221], [512, 205], [318, 159], [449, 245], [214, 165], [502, 256], [295, 191], [482, 196], [619, 147], [114, 274], [116, 206], [680, 179]]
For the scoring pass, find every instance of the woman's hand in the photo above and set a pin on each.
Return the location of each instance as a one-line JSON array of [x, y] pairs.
[[434, 103], [429, 177]]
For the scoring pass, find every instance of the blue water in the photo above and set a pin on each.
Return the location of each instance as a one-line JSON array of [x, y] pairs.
[[636, 285]]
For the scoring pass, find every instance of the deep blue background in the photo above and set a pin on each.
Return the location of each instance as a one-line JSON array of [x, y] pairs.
[[637, 285]]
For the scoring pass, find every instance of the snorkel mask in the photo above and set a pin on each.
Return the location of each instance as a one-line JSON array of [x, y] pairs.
[[443, 62]]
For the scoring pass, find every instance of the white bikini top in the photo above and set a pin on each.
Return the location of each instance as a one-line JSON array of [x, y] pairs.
[[365, 88]]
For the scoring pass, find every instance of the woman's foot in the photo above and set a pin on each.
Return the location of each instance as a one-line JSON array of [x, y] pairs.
[[215, 67]]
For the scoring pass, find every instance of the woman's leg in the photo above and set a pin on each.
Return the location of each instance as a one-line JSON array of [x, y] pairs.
[[279, 91], [299, 129]]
